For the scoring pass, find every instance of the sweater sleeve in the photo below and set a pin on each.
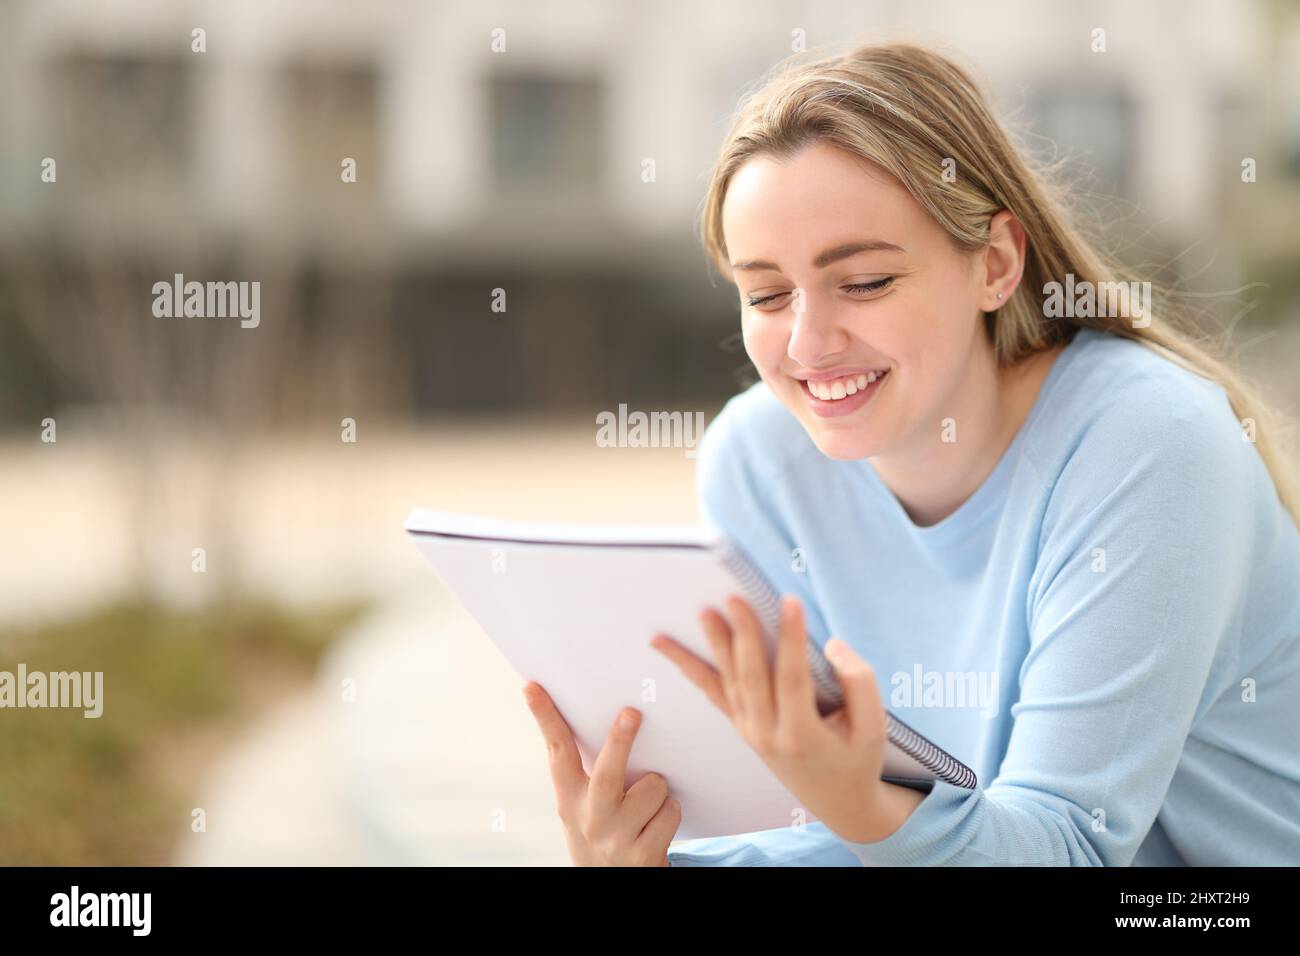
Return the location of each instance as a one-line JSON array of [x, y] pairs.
[[1143, 556], [812, 845]]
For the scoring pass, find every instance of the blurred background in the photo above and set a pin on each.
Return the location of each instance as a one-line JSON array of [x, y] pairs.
[[217, 524]]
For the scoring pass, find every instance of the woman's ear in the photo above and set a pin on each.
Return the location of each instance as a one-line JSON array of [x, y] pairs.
[[1003, 261]]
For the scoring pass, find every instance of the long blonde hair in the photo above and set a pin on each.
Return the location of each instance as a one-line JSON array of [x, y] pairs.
[[909, 109]]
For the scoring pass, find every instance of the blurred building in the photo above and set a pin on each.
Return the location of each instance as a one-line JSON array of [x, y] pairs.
[[558, 151]]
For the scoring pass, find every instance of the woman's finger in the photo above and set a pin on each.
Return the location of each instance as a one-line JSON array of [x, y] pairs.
[[697, 670], [642, 801], [567, 773], [718, 633], [862, 703], [605, 792], [753, 673], [661, 829], [796, 701]]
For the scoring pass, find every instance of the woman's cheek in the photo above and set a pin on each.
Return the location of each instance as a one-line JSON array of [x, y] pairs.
[[898, 329], [765, 343]]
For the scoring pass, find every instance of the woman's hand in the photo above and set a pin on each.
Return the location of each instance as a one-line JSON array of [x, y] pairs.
[[603, 825], [832, 764]]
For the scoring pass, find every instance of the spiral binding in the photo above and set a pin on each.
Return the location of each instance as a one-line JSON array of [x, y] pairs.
[[939, 762], [830, 696]]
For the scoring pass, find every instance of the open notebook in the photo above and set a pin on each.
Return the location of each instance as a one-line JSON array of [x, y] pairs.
[[573, 607]]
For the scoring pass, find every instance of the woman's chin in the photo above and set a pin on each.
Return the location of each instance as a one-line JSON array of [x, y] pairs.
[[845, 447]]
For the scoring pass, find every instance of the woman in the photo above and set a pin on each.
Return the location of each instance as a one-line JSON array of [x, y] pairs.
[[973, 480]]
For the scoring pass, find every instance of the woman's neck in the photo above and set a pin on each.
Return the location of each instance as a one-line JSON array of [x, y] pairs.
[[932, 477]]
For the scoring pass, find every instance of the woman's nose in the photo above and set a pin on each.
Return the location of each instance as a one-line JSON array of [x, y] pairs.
[[815, 333]]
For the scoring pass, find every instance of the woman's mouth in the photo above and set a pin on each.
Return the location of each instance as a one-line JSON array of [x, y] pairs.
[[844, 395]]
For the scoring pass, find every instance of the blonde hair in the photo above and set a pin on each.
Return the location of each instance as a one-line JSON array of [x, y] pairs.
[[908, 109]]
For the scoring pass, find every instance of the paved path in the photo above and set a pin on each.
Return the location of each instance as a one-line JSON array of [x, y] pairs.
[[435, 761]]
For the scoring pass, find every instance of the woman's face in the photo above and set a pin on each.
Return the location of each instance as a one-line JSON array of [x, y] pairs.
[[817, 309]]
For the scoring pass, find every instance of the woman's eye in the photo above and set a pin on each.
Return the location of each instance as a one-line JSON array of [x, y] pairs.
[[766, 298], [860, 288], [875, 286]]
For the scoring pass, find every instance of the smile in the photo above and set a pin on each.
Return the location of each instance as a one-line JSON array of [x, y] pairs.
[[843, 395]]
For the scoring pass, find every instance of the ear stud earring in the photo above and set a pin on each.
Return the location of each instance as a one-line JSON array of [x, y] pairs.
[[999, 295]]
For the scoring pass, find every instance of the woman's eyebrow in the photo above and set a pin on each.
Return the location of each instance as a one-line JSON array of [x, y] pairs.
[[826, 258]]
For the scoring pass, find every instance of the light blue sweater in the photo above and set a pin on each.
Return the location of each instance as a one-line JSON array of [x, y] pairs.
[[1124, 588]]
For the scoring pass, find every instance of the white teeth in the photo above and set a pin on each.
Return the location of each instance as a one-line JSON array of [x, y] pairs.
[[842, 387]]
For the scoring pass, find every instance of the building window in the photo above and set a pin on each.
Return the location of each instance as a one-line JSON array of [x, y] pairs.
[[1093, 127], [330, 114], [546, 138], [125, 119]]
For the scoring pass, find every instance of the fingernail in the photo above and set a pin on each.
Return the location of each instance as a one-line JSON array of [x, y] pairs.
[[627, 719]]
